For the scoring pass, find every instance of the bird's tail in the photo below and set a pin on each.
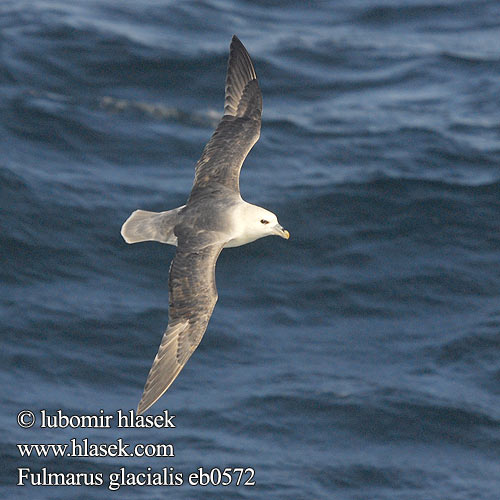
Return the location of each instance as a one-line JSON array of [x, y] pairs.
[[151, 226]]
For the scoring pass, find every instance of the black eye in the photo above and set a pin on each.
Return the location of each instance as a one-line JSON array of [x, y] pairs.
[[264, 221]]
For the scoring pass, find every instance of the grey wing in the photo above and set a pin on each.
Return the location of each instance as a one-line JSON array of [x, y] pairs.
[[192, 297], [239, 128]]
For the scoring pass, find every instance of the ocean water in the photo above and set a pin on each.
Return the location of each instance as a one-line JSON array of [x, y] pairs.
[[357, 361]]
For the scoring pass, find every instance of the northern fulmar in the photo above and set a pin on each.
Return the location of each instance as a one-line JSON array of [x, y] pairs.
[[214, 217]]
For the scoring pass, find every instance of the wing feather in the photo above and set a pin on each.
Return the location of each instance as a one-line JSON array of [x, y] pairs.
[[192, 298], [239, 128]]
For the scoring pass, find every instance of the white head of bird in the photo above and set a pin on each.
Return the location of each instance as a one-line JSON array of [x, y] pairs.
[[256, 222]]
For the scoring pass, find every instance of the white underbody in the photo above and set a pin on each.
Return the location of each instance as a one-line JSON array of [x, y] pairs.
[[244, 224]]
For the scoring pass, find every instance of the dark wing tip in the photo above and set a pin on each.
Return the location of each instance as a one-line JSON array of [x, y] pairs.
[[243, 98]]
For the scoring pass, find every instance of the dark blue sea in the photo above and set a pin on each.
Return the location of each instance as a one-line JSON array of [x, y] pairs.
[[359, 360]]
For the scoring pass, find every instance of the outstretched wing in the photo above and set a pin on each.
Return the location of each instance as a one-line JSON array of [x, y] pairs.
[[192, 297], [239, 128]]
